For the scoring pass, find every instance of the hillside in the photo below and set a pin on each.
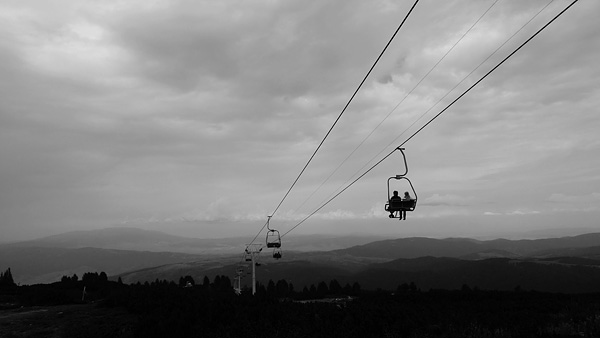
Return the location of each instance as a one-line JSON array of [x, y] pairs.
[[134, 239], [48, 259], [464, 247], [212, 309], [557, 275], [489, 274], [126, 238], [431, 263], [414, 247], [32, 265]]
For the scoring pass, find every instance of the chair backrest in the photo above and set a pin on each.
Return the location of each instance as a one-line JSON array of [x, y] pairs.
[[397, 204]]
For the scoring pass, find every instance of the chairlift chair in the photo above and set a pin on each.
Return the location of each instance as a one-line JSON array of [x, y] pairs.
[[396, 206], [277, 254], [247, 255], [273, 239]]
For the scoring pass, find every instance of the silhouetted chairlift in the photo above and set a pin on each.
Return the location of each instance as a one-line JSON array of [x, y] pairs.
[[273, 240], [247, 256], [277, 254], [396, 206], [257, 257]]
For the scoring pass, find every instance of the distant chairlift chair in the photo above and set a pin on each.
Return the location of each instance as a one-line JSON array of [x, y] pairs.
[[274, 241]]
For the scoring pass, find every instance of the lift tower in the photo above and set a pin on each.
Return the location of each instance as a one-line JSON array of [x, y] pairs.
[[252, 251]]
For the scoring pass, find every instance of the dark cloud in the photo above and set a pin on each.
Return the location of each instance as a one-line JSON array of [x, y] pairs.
[[154, 110]]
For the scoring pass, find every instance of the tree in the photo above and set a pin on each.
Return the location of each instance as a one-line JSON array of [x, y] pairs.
[[90, 277], [217, 281], [226, 283], [270, 287], [465, 288], [313, 290], [186, 281], [282, 288], [335, 287], [402, 288], [348, 288], [6, 278], [322, 289]]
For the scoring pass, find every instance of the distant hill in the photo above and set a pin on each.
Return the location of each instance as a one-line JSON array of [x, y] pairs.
[[31, 265], [414, 247], [125, 238], [431, 263], [382, 262], [488, 274], [464, 247], [558, 275], [118, 250], [122, 238], [299, 267], [592, 252], [299, 272]]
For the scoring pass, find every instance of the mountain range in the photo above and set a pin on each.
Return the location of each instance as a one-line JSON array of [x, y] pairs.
[[569, 264], [127, 238], [566, 264], [120, 249]]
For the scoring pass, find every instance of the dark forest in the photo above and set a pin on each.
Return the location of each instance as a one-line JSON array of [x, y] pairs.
[[93, 306]]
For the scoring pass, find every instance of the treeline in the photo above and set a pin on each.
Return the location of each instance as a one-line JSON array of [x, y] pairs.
[[88, 277], [211, 308]]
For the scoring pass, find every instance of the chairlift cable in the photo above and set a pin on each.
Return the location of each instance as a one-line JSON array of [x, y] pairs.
[[445, 95], [396, 107], [436, 116], [345, 107], [338, 118]]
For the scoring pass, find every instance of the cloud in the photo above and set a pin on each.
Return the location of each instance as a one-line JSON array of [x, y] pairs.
[[574, 203], [446, 200], [149, 110], [490, 213], [520, 212], [561, 198]]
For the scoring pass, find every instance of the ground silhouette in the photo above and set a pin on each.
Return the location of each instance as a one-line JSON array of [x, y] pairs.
[[93, 306]]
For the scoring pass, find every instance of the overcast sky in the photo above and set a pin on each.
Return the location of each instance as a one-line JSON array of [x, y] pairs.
[[195, 117]]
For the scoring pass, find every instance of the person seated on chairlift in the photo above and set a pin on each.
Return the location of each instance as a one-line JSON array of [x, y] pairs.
[[405, 198], [395, 197]]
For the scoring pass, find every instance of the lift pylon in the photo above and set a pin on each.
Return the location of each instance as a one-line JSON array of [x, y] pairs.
[[252, 251]]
